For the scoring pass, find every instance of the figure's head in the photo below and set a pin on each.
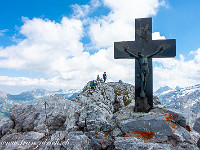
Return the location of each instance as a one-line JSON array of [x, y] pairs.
[[140, 54]]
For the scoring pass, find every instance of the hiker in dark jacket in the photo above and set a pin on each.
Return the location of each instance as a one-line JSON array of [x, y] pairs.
[[104, 76]]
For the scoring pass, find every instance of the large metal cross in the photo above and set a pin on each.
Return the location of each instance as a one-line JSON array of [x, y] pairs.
[[144, 43]]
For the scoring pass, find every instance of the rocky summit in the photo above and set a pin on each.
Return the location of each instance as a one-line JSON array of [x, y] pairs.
[[94, 120]]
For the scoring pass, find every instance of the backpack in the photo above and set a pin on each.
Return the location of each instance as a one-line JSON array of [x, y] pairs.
[[92, 83], [104, 75]]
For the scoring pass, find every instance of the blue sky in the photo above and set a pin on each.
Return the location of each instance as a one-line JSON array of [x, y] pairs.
[[64, 44]]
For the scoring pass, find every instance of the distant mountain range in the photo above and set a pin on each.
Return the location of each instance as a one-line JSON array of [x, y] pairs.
[[38, 93], [30, 97], [186, 99]]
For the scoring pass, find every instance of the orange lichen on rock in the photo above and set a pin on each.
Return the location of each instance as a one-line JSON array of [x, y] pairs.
[[170, 117], [188, 128], [22, 112], [143, 134], [130, 134], [146, 135], [153, 147], [171, 141], [172, 125]]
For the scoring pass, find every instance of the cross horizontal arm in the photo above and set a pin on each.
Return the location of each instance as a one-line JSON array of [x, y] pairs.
[[119, 51], [169, 48]]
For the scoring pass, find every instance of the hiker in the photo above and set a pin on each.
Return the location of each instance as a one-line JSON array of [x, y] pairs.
[[98, 78], [92, 85], [104, 76]]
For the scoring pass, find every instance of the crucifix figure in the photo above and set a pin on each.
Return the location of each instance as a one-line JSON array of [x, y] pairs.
[[144, 68], [143, 49]]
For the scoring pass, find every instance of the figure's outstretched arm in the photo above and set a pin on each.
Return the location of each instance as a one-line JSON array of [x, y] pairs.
[[156, 52], [130, 53]]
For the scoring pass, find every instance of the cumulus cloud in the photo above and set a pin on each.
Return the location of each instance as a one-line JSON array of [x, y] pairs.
[[119, 24], [55, 48], [2, 32], [82, 11], [157, 36], [46, 44], [174, 72]]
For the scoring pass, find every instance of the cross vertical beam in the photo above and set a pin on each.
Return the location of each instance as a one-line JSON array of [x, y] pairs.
[[143, 43]]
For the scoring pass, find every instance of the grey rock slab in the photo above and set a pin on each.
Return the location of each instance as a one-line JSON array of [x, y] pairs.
[[186, 146], [183, 134], [59, 112], [198, 143], [5, 125], [149, 123], [131, 143], [178, 117], [27, 140], [22, 115], [116, 132], [76, 141], [196, 126], [100, 141]]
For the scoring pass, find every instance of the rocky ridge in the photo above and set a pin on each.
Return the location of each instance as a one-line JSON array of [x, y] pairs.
[[100, 119], [30, 97]]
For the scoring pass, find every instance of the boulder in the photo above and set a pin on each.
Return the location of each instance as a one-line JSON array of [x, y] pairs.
[[182, 135], [149, 126], [196, 126], [5, 125], [172, 115], [132, 143], [198, 143], [37, 118], [26, 140], [178, 117], [76, 141]]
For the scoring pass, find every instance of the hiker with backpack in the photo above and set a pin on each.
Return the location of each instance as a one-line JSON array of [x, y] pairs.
[[92, 85], [104, 76]]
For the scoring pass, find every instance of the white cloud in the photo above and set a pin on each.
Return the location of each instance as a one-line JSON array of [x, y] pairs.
[[55, 49], [46, 44], [3, 31], [119, 25], [157, 36], [81, 11], [174, 72], [40, 82], [177, 72]]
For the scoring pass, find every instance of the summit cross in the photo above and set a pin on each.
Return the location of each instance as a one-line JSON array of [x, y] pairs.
[[146, 48]]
